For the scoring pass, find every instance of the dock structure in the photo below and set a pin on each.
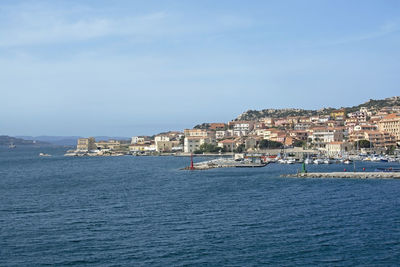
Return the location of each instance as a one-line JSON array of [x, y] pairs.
[[351, 175], [223, 163]]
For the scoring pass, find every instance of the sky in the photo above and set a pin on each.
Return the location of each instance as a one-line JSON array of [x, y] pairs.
[[126, 68]]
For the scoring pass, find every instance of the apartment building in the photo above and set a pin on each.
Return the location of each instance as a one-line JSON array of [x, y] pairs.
[[391, 124], [86, 144], [193, 143]]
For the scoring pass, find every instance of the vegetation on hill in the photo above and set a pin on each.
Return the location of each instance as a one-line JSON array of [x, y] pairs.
[[202, 126], [287, 112], [377, 104]]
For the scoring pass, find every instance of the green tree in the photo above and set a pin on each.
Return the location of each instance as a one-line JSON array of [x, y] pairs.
[[268, 144], [390, 150], [363, 144], [299, 143], [241, 148], [208, 148]]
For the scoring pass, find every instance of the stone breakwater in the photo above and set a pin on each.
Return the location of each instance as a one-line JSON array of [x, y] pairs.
[[355, 175]]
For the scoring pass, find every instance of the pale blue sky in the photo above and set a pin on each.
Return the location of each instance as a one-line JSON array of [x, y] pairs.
[[139, 67]]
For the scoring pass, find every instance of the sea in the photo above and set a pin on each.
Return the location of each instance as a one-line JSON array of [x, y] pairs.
[[145, 211]]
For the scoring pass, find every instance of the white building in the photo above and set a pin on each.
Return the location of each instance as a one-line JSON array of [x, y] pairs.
[[160, 138], [222, 134], [321, 137], [137, 140], [193, 143]]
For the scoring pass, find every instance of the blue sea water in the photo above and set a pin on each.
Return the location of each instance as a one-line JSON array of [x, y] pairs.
[[144, 211]]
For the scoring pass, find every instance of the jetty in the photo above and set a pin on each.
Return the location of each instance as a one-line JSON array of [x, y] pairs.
[[224, 163], [351, 175]]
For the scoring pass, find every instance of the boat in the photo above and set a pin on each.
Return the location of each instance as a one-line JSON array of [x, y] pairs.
[[347, 161], [318, 161], [290, 161], [44, 155], [308, 161], [327, 161], [11, 145], [382, 159], [375, 158]]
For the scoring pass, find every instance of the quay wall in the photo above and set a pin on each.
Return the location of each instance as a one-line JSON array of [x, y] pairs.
[[356, 175]]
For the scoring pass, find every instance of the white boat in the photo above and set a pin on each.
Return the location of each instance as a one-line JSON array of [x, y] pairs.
[[44, 155], [318, 161], [12, 145], [282, 161], [308, 161], [347, 161], [375, 158], [327, 161], [290, 161]]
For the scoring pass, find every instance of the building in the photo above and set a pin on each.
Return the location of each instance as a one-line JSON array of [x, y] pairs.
[[323, 135], [159, 138], [138, 147], [338, 148], [241, 128], [359, 115], [274, 135], [302, 126], [193, 143], [222, 134], [268, 122], [86, 144], [110, 144], [137, 140], [250, 143], [228, 144], [283, 123], [378, 139], [164, 145], [299, 135], [339, 114], [366, 127], [391, 124], [199, 133]]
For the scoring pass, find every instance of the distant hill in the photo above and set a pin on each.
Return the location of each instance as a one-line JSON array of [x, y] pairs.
[[66, 140], [279, 113], [6, 140]]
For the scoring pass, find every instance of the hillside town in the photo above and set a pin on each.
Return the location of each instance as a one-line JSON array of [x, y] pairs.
[[334, 135]]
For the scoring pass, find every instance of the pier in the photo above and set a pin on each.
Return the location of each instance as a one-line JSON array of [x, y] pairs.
[[351, 175], [223, 163]]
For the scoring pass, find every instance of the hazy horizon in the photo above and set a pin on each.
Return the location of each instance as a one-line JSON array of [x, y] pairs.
[[131, 68]]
